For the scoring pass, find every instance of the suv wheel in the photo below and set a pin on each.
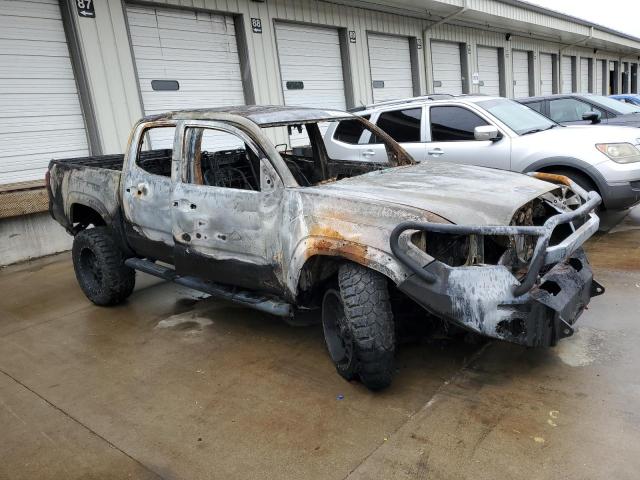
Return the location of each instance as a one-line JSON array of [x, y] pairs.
[[100, 269], [569, 198], [358, 326]]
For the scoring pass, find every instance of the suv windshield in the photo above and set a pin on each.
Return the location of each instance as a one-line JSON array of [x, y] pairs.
[[519, 118], [615, 105]]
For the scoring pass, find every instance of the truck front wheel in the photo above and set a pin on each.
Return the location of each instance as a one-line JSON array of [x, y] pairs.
[[100, 269], [358, 326]]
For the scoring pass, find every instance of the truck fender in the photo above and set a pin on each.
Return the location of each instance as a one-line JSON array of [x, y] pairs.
[[79, 198], [314, 246]]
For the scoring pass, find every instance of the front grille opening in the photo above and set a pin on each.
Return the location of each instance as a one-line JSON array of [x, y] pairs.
[[552, 287], [560, 233], [495, 246], [452, 250], [576, 264], [513, 327]]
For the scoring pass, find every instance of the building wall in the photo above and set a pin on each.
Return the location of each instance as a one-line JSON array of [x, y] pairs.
[[31, 236], [107, 56]]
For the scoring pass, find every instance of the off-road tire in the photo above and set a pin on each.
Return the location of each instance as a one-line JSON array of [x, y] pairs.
[[365, 296], [99, 266]]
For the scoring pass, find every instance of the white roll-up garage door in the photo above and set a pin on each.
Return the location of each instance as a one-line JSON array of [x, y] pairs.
[[566, 75], [40, 116], [195, 52], [520, 74], [584, 75], [489, 70], [447, 68], [600, 87], [546, 74], [390, 64], [310, 66]]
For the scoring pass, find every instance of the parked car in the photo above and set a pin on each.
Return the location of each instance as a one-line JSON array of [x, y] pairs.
[[500, 133], [493, 252], [585, 108], [632, 98]]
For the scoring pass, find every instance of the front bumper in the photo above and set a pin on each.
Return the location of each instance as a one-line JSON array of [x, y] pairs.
[[538, 310], [622, 195]]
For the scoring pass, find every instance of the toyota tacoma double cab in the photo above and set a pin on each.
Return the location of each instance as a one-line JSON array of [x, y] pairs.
[[209, 199]]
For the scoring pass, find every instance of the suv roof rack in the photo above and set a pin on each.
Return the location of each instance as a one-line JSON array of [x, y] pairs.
[[434, 96]]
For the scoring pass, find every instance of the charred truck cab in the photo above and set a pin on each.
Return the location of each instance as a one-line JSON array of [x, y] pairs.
[[204, 198]]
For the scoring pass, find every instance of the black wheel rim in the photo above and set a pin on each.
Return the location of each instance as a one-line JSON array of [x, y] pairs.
[[90, 269], [336, 330]]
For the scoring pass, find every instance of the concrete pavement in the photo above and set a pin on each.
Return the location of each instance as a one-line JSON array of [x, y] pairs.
[[172, 386]]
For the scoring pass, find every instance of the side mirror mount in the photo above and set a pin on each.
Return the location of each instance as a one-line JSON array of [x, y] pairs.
[[592, 116], [486, 132]]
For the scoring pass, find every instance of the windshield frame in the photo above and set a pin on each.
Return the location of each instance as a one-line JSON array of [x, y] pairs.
[[546, 122], [396, 154]]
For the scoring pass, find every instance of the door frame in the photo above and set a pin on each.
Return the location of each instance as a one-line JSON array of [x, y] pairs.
[[259, 275]]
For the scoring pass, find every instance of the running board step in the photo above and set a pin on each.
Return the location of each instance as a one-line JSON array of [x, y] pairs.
[[243, 297]]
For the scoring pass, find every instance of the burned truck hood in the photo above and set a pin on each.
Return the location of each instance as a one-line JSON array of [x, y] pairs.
[[462, 194]]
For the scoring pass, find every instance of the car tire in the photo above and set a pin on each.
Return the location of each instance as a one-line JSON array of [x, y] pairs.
[[99, 266], [359, 327]]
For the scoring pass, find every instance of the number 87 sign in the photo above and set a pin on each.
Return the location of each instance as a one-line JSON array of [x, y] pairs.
[[85, 8]]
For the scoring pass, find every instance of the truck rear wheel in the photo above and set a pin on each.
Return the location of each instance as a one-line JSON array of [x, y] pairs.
[[100, 269], [358, 326]]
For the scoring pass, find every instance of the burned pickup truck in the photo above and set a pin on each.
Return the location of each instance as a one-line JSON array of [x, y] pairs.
[[204, 198]]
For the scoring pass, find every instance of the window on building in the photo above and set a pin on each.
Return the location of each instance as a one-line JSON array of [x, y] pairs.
[[453, 124], [401, 125]]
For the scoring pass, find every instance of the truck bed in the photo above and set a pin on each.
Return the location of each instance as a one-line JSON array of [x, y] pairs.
[[154, 161]]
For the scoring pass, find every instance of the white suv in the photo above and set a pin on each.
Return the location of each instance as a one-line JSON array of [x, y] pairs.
[[499, 133]]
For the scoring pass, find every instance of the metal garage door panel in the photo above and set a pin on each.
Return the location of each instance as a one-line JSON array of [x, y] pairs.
[[520, 74], [390, 63], [447, 69], [546, 74], [567, 75], [310, 58], [584, 75], [197, 49], [40, 118], [489, 71], [600, 87], [311, 55]]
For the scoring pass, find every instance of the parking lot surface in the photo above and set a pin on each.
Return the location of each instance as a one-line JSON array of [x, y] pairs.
[[170, 385]]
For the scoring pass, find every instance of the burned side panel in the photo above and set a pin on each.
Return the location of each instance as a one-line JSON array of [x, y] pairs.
[[321, 223], [95, 188]]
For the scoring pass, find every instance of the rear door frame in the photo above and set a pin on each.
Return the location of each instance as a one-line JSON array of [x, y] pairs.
[[137, 186]]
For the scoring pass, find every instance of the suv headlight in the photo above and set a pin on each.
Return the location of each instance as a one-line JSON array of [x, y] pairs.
[[620, 152]]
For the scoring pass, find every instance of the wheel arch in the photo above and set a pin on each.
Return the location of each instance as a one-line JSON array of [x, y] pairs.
[[569, 163], [86, 215], [317, 266]]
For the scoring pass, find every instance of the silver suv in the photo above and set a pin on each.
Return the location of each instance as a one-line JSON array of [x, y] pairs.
[[498, 133]]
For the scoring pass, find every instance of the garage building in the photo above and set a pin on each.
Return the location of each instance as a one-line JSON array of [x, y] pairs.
[[75, 75]]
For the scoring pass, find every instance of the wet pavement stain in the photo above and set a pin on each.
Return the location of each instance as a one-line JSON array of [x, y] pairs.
[[618, 249]]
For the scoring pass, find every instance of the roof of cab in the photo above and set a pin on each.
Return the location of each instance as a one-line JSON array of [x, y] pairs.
[[261, 115]]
